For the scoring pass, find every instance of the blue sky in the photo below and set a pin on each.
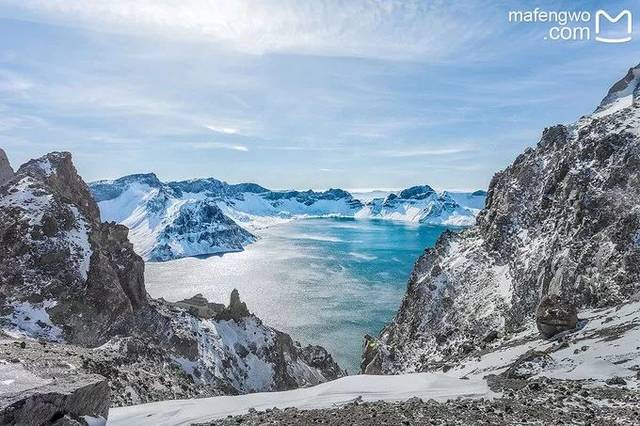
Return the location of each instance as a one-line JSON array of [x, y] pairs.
[[294, 94]]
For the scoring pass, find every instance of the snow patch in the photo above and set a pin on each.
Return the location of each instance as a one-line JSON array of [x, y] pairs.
[[79, 238], [45, 165], [95, 421], [436, 386], [32, 320], [31, 204], [617, 105]]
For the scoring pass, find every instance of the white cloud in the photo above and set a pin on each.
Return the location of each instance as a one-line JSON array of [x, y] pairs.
[[361, 28], [219, 129], [218, 145], [13, 83], [420, 152]]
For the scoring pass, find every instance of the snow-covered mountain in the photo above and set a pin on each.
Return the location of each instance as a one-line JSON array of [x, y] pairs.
[[76, 284], [208, 216], [556, 249], [422, 204]]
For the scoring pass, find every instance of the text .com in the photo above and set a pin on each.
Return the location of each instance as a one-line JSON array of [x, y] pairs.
[[579, 25]]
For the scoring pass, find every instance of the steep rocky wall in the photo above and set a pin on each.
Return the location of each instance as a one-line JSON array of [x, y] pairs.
[[56, 256], [563, 219]]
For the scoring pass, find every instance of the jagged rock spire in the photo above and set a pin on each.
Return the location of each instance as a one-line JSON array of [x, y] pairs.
[[6, 172], [236, 310]]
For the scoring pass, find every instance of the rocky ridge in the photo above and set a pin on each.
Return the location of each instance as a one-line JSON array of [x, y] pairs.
[[67, 277], [563, 220]]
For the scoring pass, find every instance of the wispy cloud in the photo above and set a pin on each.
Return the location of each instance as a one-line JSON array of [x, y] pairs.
[[219, 129], [218, 145], [360, 28], [13, 83], [420, 152]]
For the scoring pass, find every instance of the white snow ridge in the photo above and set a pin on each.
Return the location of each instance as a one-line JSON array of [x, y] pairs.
[[207, 216]]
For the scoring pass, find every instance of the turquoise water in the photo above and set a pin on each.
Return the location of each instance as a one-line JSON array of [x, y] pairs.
[[326, 281]]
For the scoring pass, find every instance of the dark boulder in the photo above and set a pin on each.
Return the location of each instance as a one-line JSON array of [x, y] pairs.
[[616, 381], [555, 315], [65, 401]]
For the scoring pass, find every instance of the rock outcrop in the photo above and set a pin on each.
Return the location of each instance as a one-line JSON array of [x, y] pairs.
[[137, 371], [199, 306], [59, 263], [555, 315], [563, 221], [67, 277], [68, 401], [237, 309], [6, 172]]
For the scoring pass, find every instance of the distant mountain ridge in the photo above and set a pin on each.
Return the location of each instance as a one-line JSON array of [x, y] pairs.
[[208, 216]]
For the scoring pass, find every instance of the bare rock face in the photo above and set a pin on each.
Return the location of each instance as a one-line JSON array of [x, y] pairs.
[[563, 219], [555, 315], [62, 402], [57, 258], [6, 172]]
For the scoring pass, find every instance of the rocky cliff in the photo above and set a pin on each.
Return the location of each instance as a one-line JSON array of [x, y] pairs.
[[561, 225], [59, 263], [68, 278], [6, 172]]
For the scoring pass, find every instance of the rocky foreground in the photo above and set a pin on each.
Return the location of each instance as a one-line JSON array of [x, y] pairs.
[[538, 402]]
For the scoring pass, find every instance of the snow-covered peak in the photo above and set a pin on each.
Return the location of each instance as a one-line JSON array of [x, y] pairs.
[[109, 189], [422, 204], [560, 221], [47, 165], [419, 192], [621, 95]]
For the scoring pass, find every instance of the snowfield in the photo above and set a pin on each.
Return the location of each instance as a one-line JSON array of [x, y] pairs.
[[438, 386]]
